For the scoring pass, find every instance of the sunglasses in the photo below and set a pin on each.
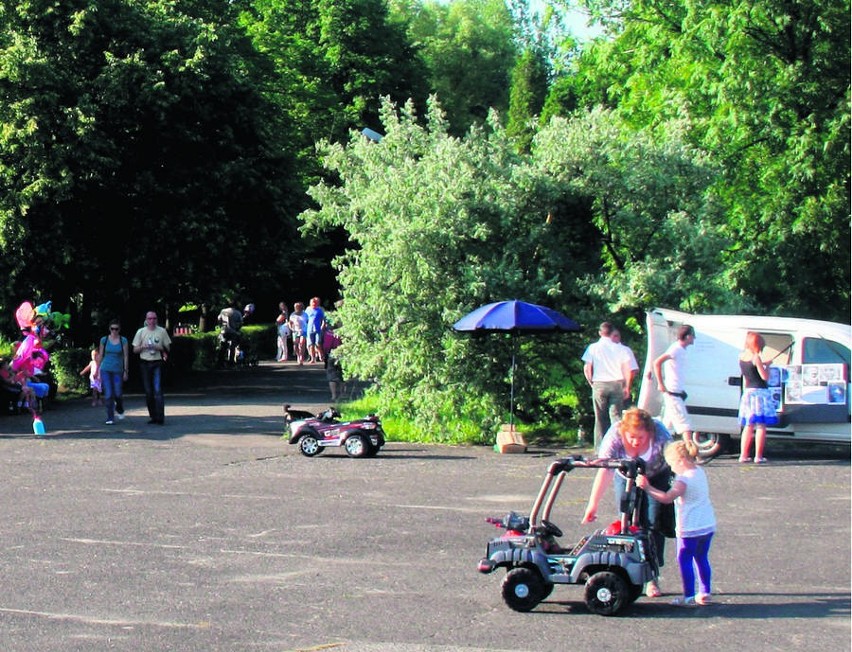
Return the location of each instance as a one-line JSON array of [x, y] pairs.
[[113, 328]]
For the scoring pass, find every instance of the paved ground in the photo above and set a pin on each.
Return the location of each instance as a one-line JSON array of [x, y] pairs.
[[212, 534]]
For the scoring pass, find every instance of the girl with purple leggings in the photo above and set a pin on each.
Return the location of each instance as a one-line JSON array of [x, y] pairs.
[[696, 521]]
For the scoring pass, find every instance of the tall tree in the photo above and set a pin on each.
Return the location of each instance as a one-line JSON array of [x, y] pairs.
[[766, 86], [469, 48], [138, 161], [661, 229], [333, 62], [530, 79]]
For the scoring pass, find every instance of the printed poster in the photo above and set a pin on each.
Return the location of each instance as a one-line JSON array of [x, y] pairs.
[[815, 384]]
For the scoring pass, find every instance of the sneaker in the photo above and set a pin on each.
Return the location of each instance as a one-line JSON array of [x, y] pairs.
[[684, 602], [109, 422], [760, 460], [744, 460], [704, 599], [120, 416]]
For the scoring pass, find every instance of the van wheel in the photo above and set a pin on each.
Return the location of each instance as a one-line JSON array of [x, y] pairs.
[[710, 444]]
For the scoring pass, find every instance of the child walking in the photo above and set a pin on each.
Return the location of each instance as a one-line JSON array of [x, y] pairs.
[[696, 521], [94, 378]]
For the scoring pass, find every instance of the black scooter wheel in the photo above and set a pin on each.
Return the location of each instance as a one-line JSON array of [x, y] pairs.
[[523, 589], [606, 593]]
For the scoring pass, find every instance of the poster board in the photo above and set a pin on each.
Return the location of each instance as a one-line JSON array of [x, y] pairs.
[[814, 384]]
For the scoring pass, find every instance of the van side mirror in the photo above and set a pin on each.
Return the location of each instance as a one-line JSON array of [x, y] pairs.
[[735, 381]]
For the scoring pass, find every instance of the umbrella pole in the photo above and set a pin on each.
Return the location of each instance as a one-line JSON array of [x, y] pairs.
[[512, 389]]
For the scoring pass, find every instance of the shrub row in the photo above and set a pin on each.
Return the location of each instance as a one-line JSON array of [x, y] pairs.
[[189, 353]]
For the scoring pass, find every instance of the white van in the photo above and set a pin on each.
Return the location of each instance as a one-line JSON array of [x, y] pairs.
[[811, 385]]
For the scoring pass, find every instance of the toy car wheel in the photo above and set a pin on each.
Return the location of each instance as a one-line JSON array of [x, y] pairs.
[[523, 589], [309, 446], [606, 593], [357, 446]]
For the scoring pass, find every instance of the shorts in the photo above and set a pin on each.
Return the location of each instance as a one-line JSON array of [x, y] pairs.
[[298, 337], [315, 338], [675, 416]]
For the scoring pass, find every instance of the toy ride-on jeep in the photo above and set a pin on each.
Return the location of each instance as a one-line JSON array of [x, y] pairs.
[[359, 438], [612, 563]]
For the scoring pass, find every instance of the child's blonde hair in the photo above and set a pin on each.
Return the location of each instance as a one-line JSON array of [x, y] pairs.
[[681, 450]]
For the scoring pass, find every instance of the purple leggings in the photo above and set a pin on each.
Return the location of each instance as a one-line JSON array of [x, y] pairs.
[[692, 553]]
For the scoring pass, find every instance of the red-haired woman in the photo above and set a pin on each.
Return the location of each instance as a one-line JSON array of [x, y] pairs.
[[637, 435], [757, 408]]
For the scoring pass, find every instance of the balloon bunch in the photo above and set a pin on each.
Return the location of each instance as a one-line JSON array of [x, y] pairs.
[[37, 324]]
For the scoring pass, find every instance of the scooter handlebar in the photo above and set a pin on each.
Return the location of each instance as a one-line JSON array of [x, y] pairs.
[[628, 467]]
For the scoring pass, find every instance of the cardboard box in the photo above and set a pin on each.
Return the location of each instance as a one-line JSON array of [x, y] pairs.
[[510, 441]]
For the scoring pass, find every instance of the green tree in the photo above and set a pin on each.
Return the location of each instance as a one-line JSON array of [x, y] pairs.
[[138, 161], [527, 96], [439, 226], [659, 223], [765, 85], [333, 61], [469, 48]]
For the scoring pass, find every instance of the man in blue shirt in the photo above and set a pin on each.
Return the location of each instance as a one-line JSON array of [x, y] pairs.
[[316, 326]]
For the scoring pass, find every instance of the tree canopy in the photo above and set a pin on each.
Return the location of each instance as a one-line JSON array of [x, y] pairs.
[[442, 225], [134, 145], [765, 87]]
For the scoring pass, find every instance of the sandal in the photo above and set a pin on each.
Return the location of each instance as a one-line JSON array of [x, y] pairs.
[[684, 602], [745, 460], [760, 460], [652, 589], [704, 599]]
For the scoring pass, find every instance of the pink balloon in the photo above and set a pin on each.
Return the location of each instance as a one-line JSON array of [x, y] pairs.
[[24, 314]]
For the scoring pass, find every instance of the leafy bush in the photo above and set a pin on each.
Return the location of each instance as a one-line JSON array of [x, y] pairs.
[[199, 351], [65, 364]]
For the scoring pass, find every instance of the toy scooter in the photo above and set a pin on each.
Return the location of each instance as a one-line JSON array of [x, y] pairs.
[[612, 563]]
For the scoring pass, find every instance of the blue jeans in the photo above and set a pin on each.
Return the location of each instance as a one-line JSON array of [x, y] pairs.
[[649, 510], [152, 382], [112, 384]]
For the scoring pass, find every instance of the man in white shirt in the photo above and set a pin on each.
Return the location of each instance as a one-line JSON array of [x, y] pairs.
[[607, 370], [152, 343], [634, 365], [670, 369]]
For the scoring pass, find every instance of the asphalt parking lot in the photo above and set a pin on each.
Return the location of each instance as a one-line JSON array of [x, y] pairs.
[[211, 533]]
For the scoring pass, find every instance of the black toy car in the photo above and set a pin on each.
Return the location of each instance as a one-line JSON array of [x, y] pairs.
[[359, 438], [613, 563]]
